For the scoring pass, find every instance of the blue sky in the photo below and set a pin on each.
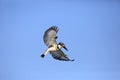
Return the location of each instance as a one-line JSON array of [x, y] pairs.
[[90, 30]]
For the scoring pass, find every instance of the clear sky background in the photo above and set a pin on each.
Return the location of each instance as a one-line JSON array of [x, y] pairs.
[[90, 30]]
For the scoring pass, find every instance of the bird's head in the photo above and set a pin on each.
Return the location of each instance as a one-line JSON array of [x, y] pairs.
[[63, 45]]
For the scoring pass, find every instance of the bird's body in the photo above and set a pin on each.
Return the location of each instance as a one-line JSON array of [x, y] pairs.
[[54, 49]]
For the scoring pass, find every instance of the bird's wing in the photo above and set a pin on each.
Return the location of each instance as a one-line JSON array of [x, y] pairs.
[[59, 55], [50, 36]]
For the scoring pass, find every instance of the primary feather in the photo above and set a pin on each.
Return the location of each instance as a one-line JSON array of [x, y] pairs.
[[59, 55], [50, 36]]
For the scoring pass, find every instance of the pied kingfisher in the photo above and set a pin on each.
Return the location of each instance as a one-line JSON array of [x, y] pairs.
[[54, 49]]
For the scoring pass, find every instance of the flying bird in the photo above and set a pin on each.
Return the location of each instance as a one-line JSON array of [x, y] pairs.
[[54, 48]]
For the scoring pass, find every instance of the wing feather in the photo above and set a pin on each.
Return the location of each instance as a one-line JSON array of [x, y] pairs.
[[50, 35], [59, 55]]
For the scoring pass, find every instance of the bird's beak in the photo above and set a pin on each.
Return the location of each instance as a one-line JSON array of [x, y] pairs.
[[65, 48]]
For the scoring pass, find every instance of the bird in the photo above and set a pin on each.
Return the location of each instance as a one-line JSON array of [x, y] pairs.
[[54, 48]]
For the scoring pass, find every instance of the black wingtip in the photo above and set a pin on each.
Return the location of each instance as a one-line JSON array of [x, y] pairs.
[[42, 55], [72, 60]]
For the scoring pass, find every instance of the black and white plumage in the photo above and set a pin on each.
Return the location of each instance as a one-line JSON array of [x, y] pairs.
[[54, 49]]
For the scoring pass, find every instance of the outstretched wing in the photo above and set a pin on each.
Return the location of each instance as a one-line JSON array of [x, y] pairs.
[[59, 55], [50, 36]]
